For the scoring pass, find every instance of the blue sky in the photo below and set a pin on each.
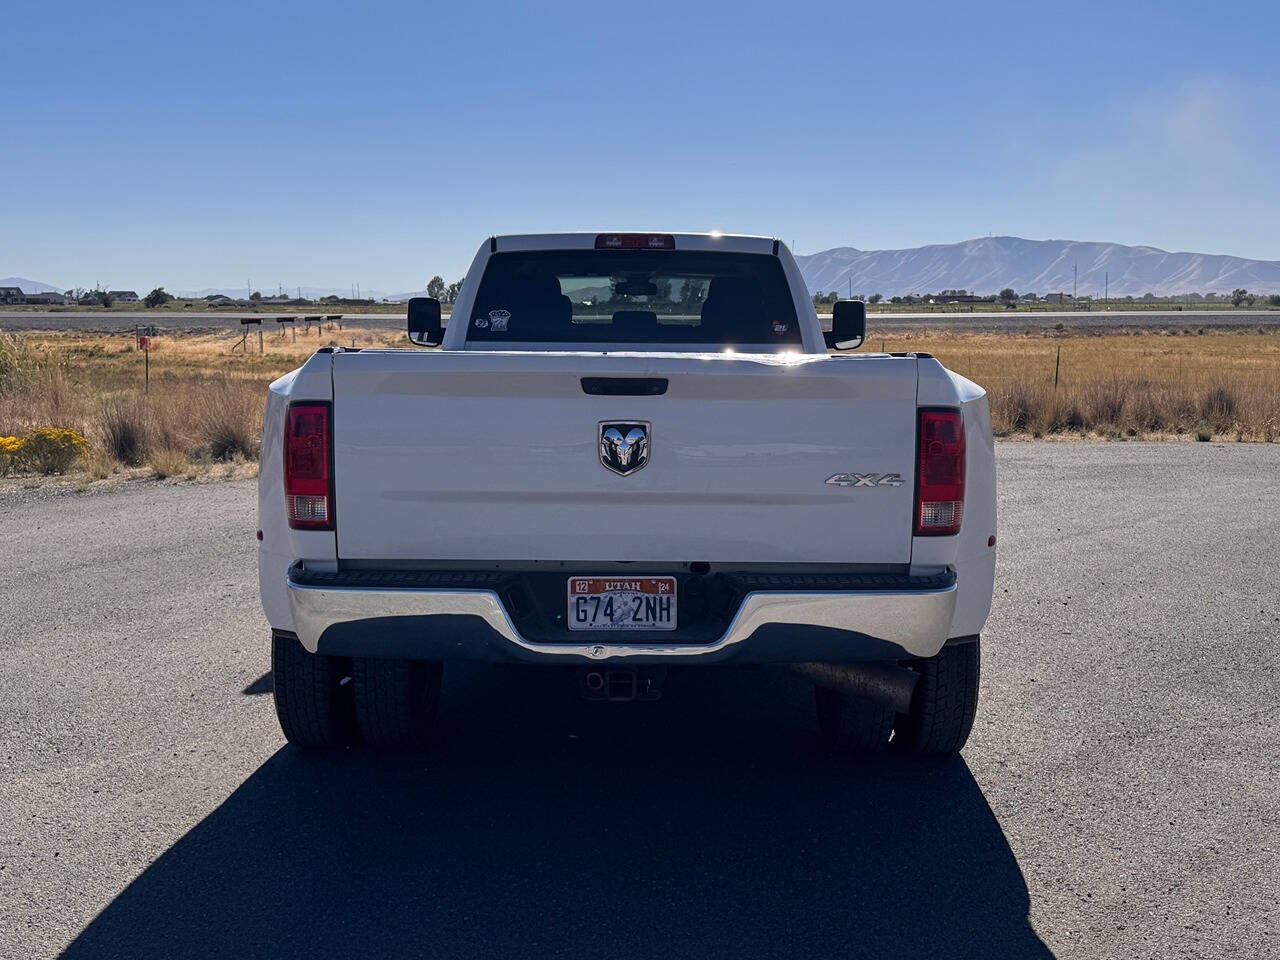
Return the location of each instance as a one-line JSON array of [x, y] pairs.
[[195, 145]]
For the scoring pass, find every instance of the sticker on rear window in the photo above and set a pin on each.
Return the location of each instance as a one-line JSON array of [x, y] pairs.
[[482, 323], [498, 319], [780, 328]]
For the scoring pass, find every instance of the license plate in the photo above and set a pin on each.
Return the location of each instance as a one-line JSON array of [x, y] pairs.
[[622, 603]]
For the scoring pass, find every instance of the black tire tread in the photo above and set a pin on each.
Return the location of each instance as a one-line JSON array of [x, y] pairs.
[[395, 700], [306, 688], [945, 701], [850, 724]]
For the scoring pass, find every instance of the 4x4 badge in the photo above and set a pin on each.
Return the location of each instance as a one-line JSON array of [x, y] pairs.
[[865, 480]]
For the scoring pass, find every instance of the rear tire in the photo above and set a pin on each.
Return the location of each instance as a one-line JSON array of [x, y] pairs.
[[312, 694], [944, 703], [849, 724], [396, 700]]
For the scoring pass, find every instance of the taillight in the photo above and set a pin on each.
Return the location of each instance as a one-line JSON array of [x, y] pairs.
[[940, 475], [308, 475]]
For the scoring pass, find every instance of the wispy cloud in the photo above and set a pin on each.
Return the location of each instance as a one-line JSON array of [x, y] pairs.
[[1203, 155]]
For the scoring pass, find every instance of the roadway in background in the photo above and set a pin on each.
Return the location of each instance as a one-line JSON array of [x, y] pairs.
[[16, 320]]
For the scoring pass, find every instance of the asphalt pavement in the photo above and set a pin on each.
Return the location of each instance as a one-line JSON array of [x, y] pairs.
[[1117, 798]]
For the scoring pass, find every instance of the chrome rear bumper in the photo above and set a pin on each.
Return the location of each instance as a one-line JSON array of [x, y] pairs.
[[769, 627]]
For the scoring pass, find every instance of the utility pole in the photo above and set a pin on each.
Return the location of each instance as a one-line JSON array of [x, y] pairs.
[[1107, 288], [1075, 275]]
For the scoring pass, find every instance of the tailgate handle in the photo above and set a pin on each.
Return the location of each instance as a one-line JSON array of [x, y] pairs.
[[624, 386]]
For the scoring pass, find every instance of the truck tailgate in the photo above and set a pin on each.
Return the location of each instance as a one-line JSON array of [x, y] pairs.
[[473, 456]]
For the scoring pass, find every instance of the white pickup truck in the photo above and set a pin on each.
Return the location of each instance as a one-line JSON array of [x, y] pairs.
[[631, 453]]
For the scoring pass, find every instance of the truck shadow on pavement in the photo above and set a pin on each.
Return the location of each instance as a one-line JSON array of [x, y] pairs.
[[709, 824]]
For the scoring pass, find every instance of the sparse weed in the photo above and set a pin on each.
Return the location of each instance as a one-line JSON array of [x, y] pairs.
[[171, 463], [99, 464], [230, 420], [124, 430]]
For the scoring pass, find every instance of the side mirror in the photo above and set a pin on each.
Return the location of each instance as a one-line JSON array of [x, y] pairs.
[[848, 325], [425, 328]]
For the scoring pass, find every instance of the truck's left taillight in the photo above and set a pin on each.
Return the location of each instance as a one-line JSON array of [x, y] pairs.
[[940, 477], [308, 465]]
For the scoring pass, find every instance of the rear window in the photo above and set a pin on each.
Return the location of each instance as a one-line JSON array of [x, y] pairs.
[[634, 296]]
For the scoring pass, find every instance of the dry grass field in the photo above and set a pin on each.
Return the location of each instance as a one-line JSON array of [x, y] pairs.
[[204, 407], [1151, 384]]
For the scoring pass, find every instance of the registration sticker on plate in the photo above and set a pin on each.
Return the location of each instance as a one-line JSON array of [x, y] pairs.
[[622, 603]]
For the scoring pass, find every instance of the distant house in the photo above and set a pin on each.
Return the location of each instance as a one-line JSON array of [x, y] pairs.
[[1056, 298], [11, 295], [40, 298], [124, 296]]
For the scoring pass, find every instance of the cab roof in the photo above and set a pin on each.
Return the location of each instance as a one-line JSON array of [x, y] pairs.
[[727, 242]]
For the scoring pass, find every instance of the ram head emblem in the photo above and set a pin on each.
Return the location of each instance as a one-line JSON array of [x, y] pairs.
[[624, 447]]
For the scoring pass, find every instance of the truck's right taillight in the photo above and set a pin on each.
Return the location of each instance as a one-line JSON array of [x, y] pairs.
[[940, 473], [308, 466]]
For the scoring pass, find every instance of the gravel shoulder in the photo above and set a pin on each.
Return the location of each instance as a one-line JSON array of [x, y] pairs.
[[1117, 798]]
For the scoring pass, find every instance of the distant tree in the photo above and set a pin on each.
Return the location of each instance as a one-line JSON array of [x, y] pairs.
[[875, 298], [895, 299], [1274, 300], [105, 298], [435, 287], [1009, 297], [451, 292], [255, 295], [157, 297], [1239, 296]]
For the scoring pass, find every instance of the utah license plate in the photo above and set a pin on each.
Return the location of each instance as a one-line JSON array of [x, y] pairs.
[[622, 603]]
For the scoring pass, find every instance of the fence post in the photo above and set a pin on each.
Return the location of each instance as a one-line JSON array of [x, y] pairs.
[[1056, 366]]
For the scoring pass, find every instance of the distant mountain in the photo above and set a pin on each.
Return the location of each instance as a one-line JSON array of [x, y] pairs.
[[989, 264], [31, 286], [985, 265]]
